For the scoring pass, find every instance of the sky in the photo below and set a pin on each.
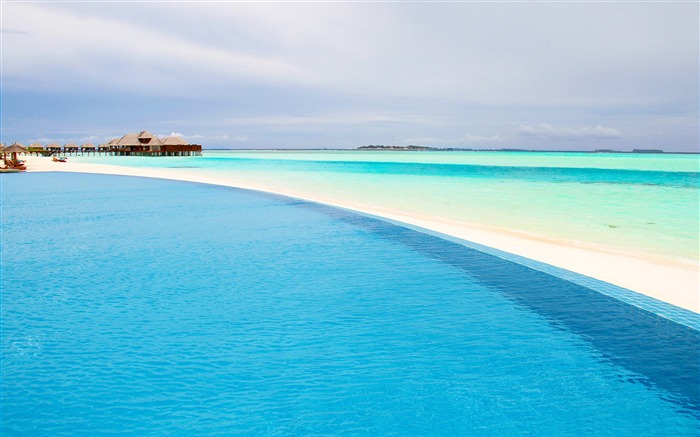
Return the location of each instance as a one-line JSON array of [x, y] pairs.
[[481, 75]]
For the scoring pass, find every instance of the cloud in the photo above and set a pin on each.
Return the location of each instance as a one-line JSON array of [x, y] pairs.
[[70, 139], [334, 119], [355, 72], [13, 32], [199, 137], [48, 140], [481, 139], [549, 132], [89, 138], [463, 140], [466, 52], [67, 51]]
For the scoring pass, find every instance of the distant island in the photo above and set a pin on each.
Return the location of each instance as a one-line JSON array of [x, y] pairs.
[[412, 148]]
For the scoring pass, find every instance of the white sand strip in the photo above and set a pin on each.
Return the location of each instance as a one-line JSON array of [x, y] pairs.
[[674, 282]]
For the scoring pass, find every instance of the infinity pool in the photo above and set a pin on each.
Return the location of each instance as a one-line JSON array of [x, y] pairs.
[[156, 307]]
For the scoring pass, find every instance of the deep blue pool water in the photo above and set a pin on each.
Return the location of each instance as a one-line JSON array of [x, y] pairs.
[[155, 307]]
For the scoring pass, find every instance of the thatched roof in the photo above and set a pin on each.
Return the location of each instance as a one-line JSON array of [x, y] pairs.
[[148, 138], [174, 141], [36, 146], [143, 138], [71, 146], [53, 146], [17, 147], [113, 142], [88, 146], [128, 140]]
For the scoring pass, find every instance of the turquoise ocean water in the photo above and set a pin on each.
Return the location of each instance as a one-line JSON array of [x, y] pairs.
[[150, 307], [646, 204]]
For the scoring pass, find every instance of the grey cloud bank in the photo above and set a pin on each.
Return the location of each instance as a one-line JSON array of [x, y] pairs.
[[577, 76]]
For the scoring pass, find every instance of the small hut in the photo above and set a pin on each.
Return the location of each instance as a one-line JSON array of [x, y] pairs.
[[87, 148], [71, 148], [53, 148], [36, 148], [114, 145], [177, 146]]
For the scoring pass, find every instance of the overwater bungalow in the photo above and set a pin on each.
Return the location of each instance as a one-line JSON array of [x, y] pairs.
[[71, 148], [143, 143], [53, 148], [177, 146], [146, 144], [36, 148], [87, 148]]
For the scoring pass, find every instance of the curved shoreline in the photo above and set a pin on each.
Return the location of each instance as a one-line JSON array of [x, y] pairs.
[[676, 283]]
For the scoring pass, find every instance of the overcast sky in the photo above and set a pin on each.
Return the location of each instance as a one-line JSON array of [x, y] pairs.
[[564, 75]]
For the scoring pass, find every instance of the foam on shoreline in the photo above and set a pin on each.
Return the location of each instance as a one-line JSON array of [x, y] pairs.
[[676, 283]]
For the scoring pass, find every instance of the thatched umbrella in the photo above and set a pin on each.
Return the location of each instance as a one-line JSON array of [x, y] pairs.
[[14, 150]]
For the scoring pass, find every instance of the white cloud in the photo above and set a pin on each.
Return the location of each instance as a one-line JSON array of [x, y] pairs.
[[208, 137], [48, 140], [468, 139], [547, 131], [70, 139], [481, 139], [89, 138]]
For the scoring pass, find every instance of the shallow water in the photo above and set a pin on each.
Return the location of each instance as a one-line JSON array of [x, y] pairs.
[[635, 203], [155, 307]]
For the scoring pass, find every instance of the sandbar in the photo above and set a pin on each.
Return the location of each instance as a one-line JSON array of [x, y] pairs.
[[673, 282]]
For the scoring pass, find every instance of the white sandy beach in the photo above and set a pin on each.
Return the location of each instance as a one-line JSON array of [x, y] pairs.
[[669, 281]]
